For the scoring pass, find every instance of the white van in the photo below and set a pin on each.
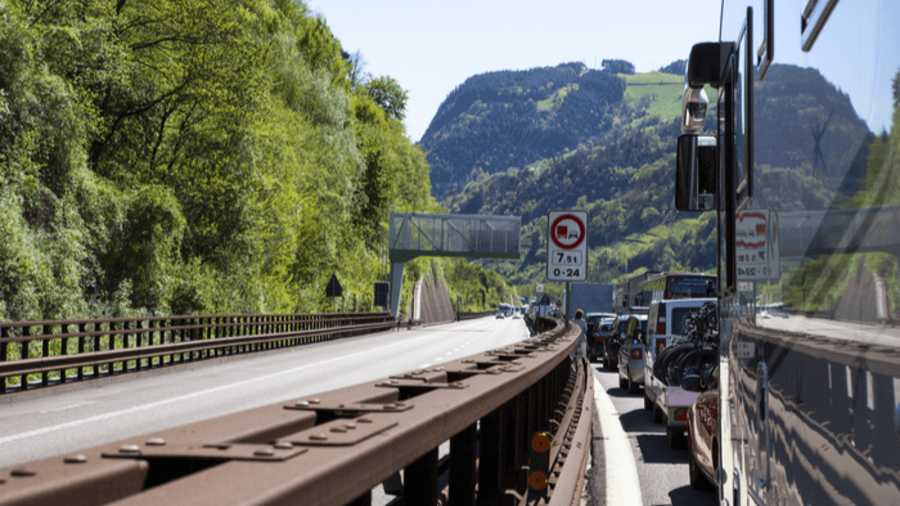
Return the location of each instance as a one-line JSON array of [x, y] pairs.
[[669, 403]]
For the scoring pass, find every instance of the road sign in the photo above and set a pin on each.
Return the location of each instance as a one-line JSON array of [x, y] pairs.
[[756, 240], [334, 288], [567, 246], [382, 290], [539, 288]]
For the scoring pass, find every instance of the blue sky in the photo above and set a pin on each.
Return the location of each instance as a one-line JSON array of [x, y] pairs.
[[431, 47]]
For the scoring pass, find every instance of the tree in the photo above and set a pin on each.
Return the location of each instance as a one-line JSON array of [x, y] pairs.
[[618, 66], [357, 73], [387, 93]]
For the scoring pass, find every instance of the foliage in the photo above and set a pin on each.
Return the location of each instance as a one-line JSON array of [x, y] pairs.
[[191, 156], [387, 93], [508, 119], [677, 67], [618, 66]]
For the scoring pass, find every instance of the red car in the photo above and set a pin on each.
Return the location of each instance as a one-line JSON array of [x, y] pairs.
[[703, 440]]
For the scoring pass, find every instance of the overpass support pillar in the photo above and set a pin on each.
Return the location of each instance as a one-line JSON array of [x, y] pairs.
[[396, 287]]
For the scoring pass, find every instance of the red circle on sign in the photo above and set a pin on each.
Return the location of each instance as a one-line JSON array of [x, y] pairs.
[[580, 228]]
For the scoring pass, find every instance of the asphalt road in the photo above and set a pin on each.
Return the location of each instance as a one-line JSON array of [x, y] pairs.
[[867, 333], [42, 426], [662, 472]]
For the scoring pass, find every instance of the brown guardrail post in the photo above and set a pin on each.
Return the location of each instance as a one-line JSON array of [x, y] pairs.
[[204, 335], [490, 439], [81, 343], [132, 325], [508, 448], [421, 480], [462, 466], [110, 345], [45, 352], [521, 441], [177, 337], [155, 336], [4, 356], [64, 350], [195, 335]]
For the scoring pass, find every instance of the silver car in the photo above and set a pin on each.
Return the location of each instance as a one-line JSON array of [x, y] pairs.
[[631, 354]]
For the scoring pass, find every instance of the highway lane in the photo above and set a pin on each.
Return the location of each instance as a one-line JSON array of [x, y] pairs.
[[860, 332], [662, 471], [44, 426]]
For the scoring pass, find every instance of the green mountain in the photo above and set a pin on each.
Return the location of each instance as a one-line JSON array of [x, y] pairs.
[[622, 170], [508, 119]]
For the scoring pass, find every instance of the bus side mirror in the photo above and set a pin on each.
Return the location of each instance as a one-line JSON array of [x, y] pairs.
[[695, 173]]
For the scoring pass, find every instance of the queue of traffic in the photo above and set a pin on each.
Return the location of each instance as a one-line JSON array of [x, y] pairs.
[[668, 348]]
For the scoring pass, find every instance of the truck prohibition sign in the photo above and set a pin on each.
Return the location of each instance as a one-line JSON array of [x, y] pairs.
[[567, 247]]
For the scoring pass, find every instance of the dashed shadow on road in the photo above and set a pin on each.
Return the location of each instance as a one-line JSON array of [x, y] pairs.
[[640, 420], [655, 450], [689, 497]]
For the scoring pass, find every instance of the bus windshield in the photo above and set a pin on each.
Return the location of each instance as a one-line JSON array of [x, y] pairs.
[[690, 287]]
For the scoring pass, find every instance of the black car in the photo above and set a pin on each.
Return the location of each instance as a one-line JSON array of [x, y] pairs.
[[596, 333], [613, 341]]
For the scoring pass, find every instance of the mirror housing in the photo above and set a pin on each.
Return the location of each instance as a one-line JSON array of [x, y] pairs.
[[695, 173], [691, 383], [706, 63]]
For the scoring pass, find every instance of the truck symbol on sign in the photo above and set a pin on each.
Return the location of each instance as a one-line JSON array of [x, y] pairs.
[[562, 232]]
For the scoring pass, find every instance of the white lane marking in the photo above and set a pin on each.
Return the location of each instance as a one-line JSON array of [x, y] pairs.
[[172, 400], [622, 482], [448, 353], [68, 407], [424, 366]]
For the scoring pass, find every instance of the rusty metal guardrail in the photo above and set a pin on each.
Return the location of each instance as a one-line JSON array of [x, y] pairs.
[[63, 351], [333, 448]]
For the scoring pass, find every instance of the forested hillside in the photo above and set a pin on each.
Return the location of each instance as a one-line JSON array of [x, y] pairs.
[[624, 176], [508, 119], [195, 157]]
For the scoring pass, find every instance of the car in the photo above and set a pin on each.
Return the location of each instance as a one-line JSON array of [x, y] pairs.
[[613, 341], [631, 354], [592, 329], [703, 436], [500, 316], [595, 336], [516, 316]]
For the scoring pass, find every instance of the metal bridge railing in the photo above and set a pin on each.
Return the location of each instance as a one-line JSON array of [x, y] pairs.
[[40, 353], [460, 316], [517, 420]]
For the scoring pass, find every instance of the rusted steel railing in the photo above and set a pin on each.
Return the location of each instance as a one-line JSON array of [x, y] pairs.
[[63, 351], [334, 448]]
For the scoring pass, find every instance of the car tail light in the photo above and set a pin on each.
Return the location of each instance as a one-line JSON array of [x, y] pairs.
[[637, 354], [660, 345], [681, 414]]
